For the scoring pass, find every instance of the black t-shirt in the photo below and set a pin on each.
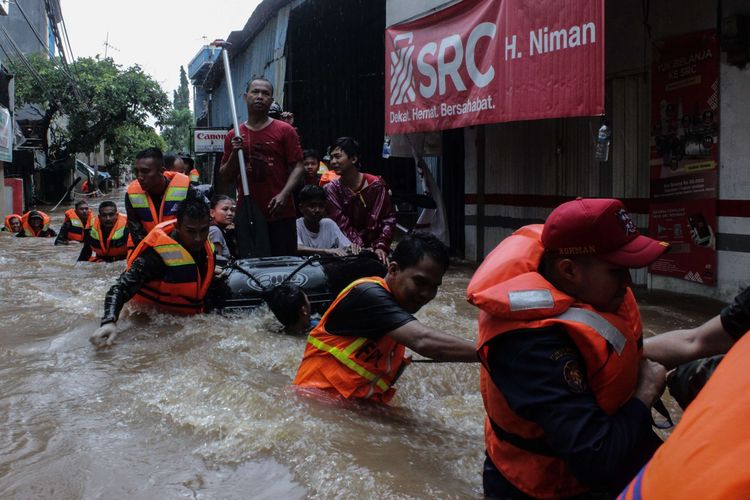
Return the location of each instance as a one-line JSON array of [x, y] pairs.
[[735, 318], [369, 311]]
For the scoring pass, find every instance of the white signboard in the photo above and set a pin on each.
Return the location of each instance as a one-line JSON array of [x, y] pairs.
[[209, 140], [6, 135]]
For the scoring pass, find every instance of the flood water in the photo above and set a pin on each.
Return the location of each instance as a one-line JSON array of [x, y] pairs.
[[203, 408]]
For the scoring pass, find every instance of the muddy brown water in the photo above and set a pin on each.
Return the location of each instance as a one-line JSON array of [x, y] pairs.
[[202, 407]]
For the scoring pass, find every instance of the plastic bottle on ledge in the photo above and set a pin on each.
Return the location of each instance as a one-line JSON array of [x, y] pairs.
[[602, 143]]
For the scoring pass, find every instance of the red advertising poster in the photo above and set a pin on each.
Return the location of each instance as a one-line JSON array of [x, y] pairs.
[[491, 61], [685, 154]]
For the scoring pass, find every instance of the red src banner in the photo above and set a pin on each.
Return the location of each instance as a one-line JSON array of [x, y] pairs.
[[491, 61]]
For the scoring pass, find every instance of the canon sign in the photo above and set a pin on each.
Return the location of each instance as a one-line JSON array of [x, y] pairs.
[[209, 140]]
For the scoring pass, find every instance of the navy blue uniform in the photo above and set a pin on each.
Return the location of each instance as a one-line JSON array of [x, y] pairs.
[[533, 371]]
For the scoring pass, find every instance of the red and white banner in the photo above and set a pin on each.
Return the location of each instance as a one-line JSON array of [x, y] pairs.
[[490, 61]]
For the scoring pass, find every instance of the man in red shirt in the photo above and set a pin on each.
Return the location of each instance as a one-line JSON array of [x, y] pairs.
[[273, 157]]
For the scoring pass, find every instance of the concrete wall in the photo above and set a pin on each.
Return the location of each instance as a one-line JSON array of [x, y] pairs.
[[397, 11], [20, 30]]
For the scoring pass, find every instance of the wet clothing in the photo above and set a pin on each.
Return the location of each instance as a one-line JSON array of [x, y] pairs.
[[328, 236], [195, 176], [219, 236], [704, 457], [8, 218], [366, 215], [349, 352], [735, 318], [28, 231], [73, 227], [162, 273], [270, 155], [145, 211], [557, 380], [105, 245], [689, 378]]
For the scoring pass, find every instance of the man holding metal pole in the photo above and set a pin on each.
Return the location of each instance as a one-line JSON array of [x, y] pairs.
[[274, 168]]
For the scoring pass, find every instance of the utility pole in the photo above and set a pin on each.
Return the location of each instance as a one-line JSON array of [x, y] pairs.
[[108, 46]]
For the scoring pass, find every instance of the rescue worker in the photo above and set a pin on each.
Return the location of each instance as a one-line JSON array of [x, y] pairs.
[[357, 350], [566, 390], [12, 224], [174, 163], [107, 237], [191, 171], [703, 457], [170, 270], [77, 220], [154, 196], [35, 223]]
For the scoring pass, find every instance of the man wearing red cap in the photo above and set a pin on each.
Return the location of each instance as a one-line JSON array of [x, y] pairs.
[[566, 389]]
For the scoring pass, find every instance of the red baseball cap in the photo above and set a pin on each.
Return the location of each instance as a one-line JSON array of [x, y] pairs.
[[601, 227]]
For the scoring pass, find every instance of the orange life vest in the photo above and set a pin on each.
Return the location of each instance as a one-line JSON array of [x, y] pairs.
[[328, 176], [28, 230], [77, 226], [8, 218], [704, 458], [114, 247], [353, 367], [512, 295], [194, 176], [144, 207], [183, 287]]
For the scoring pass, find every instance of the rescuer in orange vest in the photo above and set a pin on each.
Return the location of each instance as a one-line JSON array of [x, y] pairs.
[[154, 196], [12, 224], [170, 270], [704, 455], [190, 170], [77, 220], [357, 349], [564, 384], [107, 238], [35, 224]]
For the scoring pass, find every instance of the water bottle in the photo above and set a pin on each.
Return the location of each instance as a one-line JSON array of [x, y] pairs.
[[386, 146], [602, 143]]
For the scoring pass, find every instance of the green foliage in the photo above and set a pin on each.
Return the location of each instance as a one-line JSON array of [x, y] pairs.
[[103, 99], [181, 96], [130, 139], [179, 120], [176, 131]]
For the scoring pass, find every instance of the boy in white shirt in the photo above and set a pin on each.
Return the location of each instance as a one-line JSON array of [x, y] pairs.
[[316, 234]]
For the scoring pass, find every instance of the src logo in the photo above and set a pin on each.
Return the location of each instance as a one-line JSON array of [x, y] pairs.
[[402, 71], [627, 222], [270, 279]]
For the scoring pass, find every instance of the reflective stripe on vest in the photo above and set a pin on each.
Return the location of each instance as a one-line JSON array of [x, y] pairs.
[[530, 299], [599, 324], [343, 357], [138, 200], [174, 255], [112, 242], [525, 300], [175, 193]]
